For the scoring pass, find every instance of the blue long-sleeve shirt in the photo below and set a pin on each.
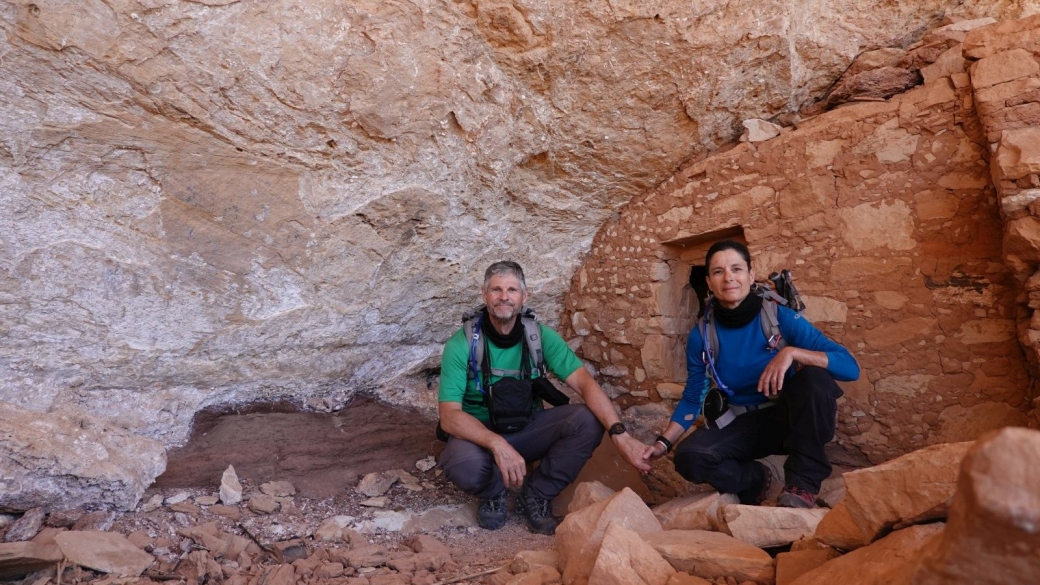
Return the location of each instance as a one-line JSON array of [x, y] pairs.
[[743, 355]]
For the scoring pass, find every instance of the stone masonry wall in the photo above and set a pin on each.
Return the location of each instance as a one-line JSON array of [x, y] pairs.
[[886, 214]]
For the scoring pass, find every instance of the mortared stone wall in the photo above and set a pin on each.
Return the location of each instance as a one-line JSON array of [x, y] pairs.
[[910, 226]]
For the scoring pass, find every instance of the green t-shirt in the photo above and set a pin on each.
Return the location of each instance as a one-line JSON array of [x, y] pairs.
[[456, 386]]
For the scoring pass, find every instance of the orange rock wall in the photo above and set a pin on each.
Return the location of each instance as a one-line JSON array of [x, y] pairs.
[[887, 215]]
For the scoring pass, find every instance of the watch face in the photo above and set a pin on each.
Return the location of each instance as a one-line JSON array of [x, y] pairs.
[[617, 429]]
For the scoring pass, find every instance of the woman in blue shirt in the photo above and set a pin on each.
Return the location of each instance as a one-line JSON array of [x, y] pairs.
[[784, 395]]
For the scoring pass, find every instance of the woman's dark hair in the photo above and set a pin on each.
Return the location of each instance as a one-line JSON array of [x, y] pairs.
[[728, 245]]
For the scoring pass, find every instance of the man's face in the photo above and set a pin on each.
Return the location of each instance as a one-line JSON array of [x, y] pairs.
[[504, 297]]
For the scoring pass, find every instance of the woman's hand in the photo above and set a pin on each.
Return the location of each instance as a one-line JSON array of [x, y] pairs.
[[772, 379], [653, 452]]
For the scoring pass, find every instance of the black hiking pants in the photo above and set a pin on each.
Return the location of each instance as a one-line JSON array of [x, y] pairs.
[[561, 439], [799, 425]]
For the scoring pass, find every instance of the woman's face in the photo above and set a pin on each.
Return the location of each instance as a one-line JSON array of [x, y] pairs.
[[729, 278]]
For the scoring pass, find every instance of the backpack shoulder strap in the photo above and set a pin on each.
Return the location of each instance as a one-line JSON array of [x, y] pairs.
[[533, 338], [771, 325], [709, 334], [476, 351]]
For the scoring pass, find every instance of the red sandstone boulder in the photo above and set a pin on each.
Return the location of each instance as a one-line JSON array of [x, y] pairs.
[[794, 564], [889, 561], [914, 488], [588, 493], [839, 530], [993, 533], [624, 559], [579, 536]]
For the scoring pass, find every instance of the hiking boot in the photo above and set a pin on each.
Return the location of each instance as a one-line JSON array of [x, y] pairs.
[[796, 497], [757, 497], [491, 514], [767, 484], [538, 512]]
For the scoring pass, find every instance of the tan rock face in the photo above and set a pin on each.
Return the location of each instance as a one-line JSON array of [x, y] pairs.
[[68, 459], [625, 559], [219, 202]]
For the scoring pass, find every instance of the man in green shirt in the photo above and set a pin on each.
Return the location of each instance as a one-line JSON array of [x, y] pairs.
[[484, 463]]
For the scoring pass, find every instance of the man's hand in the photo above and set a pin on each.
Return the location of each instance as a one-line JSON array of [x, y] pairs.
[[510, 463], [632, 451], [462, 425], [629, 447]]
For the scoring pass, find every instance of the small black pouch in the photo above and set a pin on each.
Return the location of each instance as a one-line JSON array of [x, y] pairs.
[[715, 405], [547, 391], [510, 404]]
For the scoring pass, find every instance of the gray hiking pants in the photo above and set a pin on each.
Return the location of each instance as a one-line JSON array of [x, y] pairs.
[[561, 438]]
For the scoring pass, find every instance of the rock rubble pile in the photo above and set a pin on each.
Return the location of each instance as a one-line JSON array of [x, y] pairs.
[[953, 513]]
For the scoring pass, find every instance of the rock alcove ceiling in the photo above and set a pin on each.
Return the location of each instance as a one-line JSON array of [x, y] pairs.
[[212, 202]]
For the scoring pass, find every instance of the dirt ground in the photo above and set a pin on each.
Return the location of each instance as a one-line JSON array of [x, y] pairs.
[[324, 456]]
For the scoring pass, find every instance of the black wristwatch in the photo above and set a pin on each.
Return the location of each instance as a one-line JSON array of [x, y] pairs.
[[617, 428]]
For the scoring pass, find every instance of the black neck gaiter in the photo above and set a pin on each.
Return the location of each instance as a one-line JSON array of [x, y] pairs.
[[743, 314], [509, 339]]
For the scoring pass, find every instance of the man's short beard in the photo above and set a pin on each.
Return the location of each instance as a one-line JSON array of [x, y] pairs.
[[494, 310]]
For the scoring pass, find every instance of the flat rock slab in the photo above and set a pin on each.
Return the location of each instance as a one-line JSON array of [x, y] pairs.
[[278, 489], [713, 555], [25, 527], [107, 552], [696, 512], [767, 527], [376, 483], [18, 559], [409, 522]]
